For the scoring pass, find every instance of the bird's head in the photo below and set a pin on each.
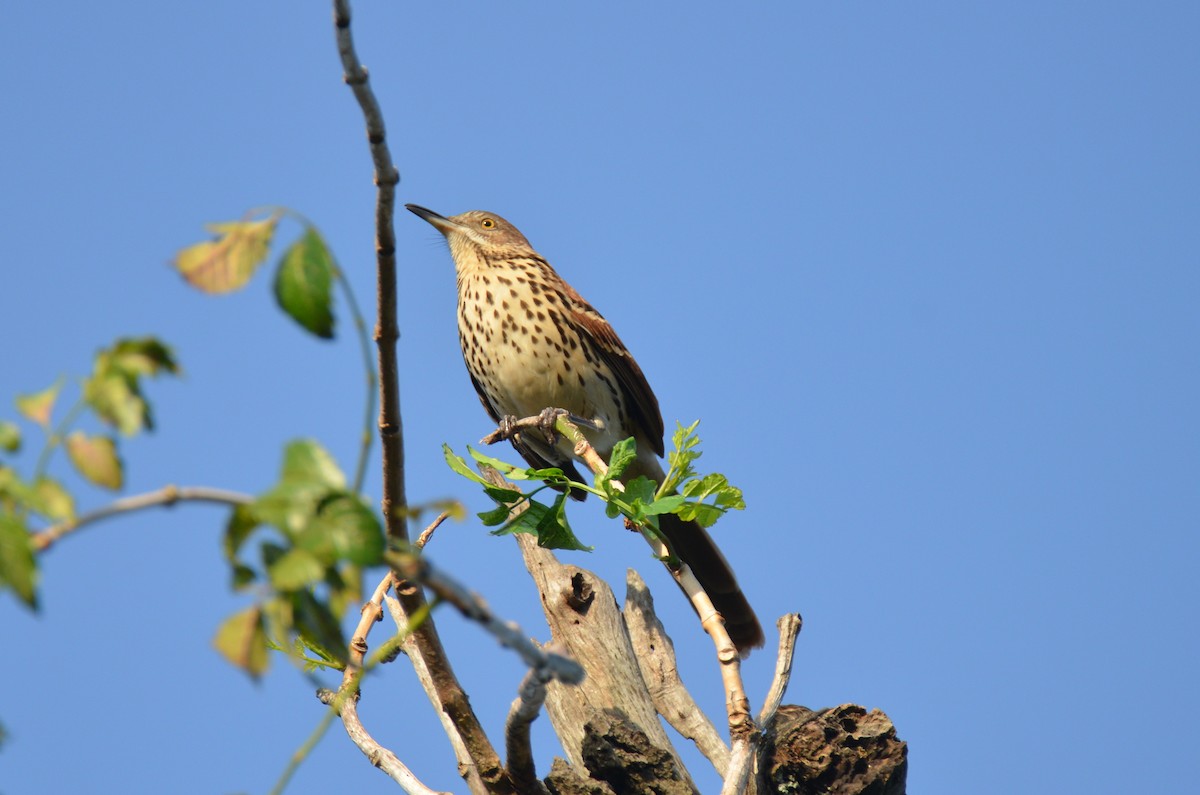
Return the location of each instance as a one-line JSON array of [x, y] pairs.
[[476, 236]]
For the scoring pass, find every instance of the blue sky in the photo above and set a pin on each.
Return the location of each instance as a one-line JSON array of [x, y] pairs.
[[927, 273]]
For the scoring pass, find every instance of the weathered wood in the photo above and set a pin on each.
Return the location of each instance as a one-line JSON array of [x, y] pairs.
[[844, 750], [656, 658], [586, 624]]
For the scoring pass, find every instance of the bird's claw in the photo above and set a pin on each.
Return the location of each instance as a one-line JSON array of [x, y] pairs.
[[547, 420]]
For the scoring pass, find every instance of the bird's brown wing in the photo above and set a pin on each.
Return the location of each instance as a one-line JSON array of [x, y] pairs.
[[640, 400]]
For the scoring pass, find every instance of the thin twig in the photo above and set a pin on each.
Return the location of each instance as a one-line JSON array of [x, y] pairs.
[[425, 676], [387, 330], [344, 702], [163, 497], [427, 533], [789, 627], [518, 750], [378, 756], [303, 751], [508, 633]]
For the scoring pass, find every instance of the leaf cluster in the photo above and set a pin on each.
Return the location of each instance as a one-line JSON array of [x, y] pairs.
[[113, 396], [316, 536], [304, 275], [691, 495]]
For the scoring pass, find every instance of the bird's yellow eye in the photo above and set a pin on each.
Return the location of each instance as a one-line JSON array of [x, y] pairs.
[[488, 223]]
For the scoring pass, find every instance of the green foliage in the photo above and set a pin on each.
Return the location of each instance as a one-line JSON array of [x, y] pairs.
[[38, 406], [702, 498], [319, 528], [114, 389], [10, 437], [304, 283], [242, 639], [95, 457], [548, 523], [112, 395], [304, 276], [17, 570]]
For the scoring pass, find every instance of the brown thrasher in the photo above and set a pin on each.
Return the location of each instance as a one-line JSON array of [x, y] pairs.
[[530, 343]]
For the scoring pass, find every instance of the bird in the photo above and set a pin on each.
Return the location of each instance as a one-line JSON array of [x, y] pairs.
[[531, 342]]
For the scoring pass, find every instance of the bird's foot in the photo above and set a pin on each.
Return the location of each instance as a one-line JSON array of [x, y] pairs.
[[547, 420], [509, 427]]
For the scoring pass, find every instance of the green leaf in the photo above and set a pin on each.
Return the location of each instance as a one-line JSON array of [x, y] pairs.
[[304, 281], [350, 528], [669, 504], [114, 389], [526, 522], [143, 356], [95, 457], [307, 461], [503, 467], [345, 587], [271, 552], [242, 522], [242, 640], [495, 516], [680, 458], [551, 475], [503, 496], [724, 498], [116, 399], [18, 571], [640, 490], [242, 576], [38, 406], [460, 465], [10, 436], [227, 263], [701, 513], [296, 569], [554, 532], [624, 453], [318, 627], [53, 501], [15, 493], [290, 505]]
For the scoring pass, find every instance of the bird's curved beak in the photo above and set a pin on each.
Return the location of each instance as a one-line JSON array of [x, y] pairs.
[[439, 222]]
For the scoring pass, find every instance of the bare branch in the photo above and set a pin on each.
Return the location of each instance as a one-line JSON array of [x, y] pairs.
[[427, 533], [379, 756], [165, 497], [387, 330], [741, 759], [479, 758], [789, 627], [518, 751], [551, 665], [428, 679]]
